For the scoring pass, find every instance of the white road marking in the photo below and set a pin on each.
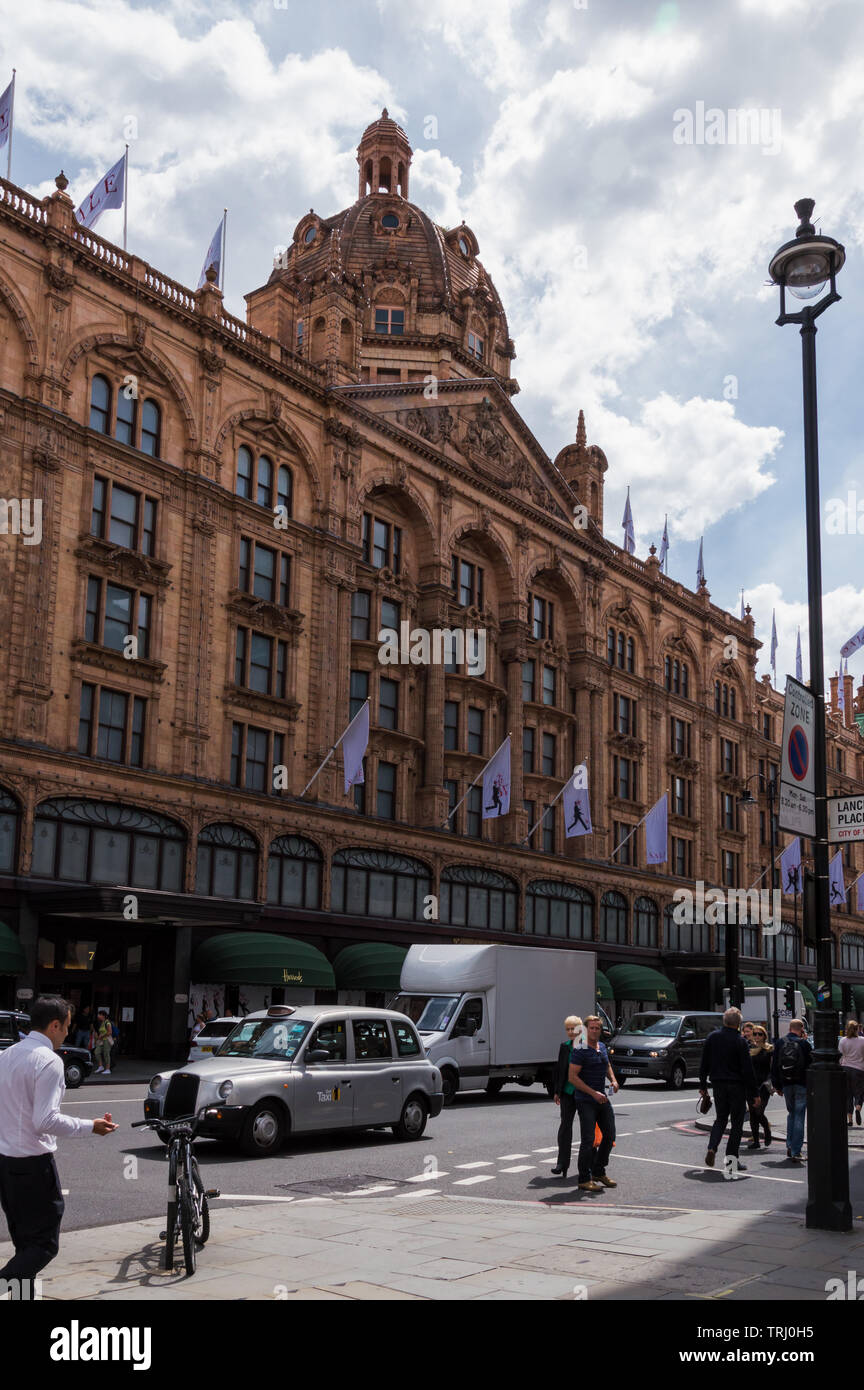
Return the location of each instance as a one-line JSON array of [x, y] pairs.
[[367, 1191], [481, 1163], [634, 1158], [553, 1149], [645, 1131], [628, 1134], [426, 1177], [64, 1191], [479, 1177], [412, 1196], [245, 1197], [520, 1168], [508, 1158], [128, 1100]]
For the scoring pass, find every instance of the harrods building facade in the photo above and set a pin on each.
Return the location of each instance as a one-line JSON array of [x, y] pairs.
[[251, 510]]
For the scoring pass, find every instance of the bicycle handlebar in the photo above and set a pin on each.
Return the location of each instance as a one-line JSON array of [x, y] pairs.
[[181, 1122]]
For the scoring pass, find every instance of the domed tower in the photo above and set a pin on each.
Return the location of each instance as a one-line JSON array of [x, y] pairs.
[[379, 293], [583, 467], [384, 157]]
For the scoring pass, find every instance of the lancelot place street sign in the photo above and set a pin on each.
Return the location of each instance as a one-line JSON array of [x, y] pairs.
[[796, 806], [845, 819]]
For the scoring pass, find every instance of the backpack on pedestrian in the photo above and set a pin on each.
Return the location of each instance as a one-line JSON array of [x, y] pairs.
[[791, 1061]]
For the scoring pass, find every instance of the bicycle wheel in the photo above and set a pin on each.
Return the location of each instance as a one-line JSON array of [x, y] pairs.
[[186, 1213], [202, 1224], [171, 1217]]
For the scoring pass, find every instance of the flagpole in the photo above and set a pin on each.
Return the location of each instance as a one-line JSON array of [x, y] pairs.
[[333, 749], [476, 780], [222, 257], [553, 803], [125, 193], [11, 124], [633, 831]]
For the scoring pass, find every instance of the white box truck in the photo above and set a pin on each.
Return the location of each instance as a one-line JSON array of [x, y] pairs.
[[758, 1007], [492, 1014]]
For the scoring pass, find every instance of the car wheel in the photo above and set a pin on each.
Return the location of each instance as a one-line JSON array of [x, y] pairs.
[[263, 1130], [449, 1085], [676, 1077], [412, 1121], [74, 1075], [494, 1086]]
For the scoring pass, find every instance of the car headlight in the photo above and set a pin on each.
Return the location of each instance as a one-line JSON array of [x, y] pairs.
[[225, 1089], [156, 1082], [611, 1052]]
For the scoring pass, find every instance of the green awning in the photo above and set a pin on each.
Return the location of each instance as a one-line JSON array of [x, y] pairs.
[[858, 996], [261, 958], [810, 998], [12, 958], [751, 981], [370, 965], [602, 987], [641, 982], [807, 995]]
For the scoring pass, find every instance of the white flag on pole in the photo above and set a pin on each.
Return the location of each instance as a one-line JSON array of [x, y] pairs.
[[214, 256], [700, 567], [577, 811], [656, 831], [799, 668], [6, 115], [354, 744], [107, 193], [496, 783], [853, 644], [664, 544], [790, 868], [836, 882], [627, 523]]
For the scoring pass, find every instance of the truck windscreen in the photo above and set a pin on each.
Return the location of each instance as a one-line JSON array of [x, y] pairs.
[[431, 1012]]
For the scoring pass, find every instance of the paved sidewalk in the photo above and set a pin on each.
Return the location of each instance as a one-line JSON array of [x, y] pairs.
[[433, 1246]]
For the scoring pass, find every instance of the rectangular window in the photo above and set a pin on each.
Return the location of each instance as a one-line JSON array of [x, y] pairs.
[[388, 703], [117, 625], [390, 614], [527, 750], [385, 803], [111, 733], [97, 514], [682, 796], [624, 715], [390, 321], [254, 754], [257, 762], [451, 725], [768, 727], [85, 720], [729, 812], [123, 517], [359, 692], [729, 757], [475, 730], [475, 346], [549, 830], [610, 646], [549, 685], [680, 738], [730, 868], [452, 789], [682, 865], [382, 543], [542, 617], [625, 849], [360, 615], [527, 682], [549, 755], [466, 583], [474, 813]]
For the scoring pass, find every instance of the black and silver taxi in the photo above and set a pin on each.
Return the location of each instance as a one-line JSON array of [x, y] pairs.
[[288, 1070]]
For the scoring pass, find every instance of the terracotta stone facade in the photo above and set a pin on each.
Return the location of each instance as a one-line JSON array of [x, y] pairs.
[[252, 502]]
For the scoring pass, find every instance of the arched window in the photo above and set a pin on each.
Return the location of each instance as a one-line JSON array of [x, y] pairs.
[[124, 429], [10, 813], [645, 922], [851, 951], [244, 472], [684, 936], [294, 873], [285, 490], [227, 862], [265, 481], [559, 909], [613, 918], [346, 340], [151, 418], [621, 650], [103, 842], [100, 405], [373, 883], [475, 897]]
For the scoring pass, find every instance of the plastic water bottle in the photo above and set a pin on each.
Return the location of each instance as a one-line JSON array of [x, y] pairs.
[[610, 1091]]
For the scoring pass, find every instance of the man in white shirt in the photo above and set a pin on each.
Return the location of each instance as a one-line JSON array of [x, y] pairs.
[[32, 1086]]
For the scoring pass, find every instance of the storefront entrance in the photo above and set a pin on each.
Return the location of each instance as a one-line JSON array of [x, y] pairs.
[[94, 971]]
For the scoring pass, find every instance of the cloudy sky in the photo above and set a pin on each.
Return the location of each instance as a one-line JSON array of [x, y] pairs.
[[628, 238]]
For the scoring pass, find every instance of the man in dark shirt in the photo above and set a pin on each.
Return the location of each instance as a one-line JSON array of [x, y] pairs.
[[590, 1069], [726, 1061]]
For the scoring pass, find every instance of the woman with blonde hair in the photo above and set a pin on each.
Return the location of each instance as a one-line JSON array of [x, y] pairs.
[[564, 1094], [852, 1062], [760, 1056]]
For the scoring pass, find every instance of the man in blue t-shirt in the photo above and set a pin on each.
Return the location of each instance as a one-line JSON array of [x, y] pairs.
[[590, 1069]]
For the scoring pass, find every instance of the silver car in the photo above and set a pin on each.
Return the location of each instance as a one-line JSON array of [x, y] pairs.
[[300, 1070]]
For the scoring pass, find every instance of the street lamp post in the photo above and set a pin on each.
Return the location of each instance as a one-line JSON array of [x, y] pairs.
[[804, 266]]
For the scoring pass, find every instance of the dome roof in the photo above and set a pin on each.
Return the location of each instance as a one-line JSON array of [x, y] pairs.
[[384, 125]]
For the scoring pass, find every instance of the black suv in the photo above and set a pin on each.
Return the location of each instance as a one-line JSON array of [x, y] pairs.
[[77, 1061], [662, 1046]]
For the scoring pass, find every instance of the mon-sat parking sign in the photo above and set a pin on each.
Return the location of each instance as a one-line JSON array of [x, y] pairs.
[[797, 804]]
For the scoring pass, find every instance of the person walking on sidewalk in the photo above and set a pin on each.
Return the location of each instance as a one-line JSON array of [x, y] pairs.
[[565, 1095], [104, 1040], [760, 1055], [589, 1071], [852, 1062], [792, 1056], [726, 1062], [31, 1093]]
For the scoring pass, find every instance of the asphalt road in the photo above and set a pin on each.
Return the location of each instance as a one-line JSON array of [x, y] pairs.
[[501, 1148]]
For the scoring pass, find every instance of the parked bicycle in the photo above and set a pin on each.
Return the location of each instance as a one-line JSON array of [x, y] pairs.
[[188, 1200]]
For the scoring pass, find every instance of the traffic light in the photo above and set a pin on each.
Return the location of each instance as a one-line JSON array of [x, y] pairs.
[[789, 998], [736, 995]]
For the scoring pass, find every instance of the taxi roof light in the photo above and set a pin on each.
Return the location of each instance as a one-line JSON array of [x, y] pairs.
[[280, 1011]]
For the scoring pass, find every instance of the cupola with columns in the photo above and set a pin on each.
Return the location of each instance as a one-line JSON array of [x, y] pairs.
[[583, 467]]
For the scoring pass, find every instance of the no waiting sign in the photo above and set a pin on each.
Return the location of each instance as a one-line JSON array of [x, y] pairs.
[[797, 805], [845, 819]]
